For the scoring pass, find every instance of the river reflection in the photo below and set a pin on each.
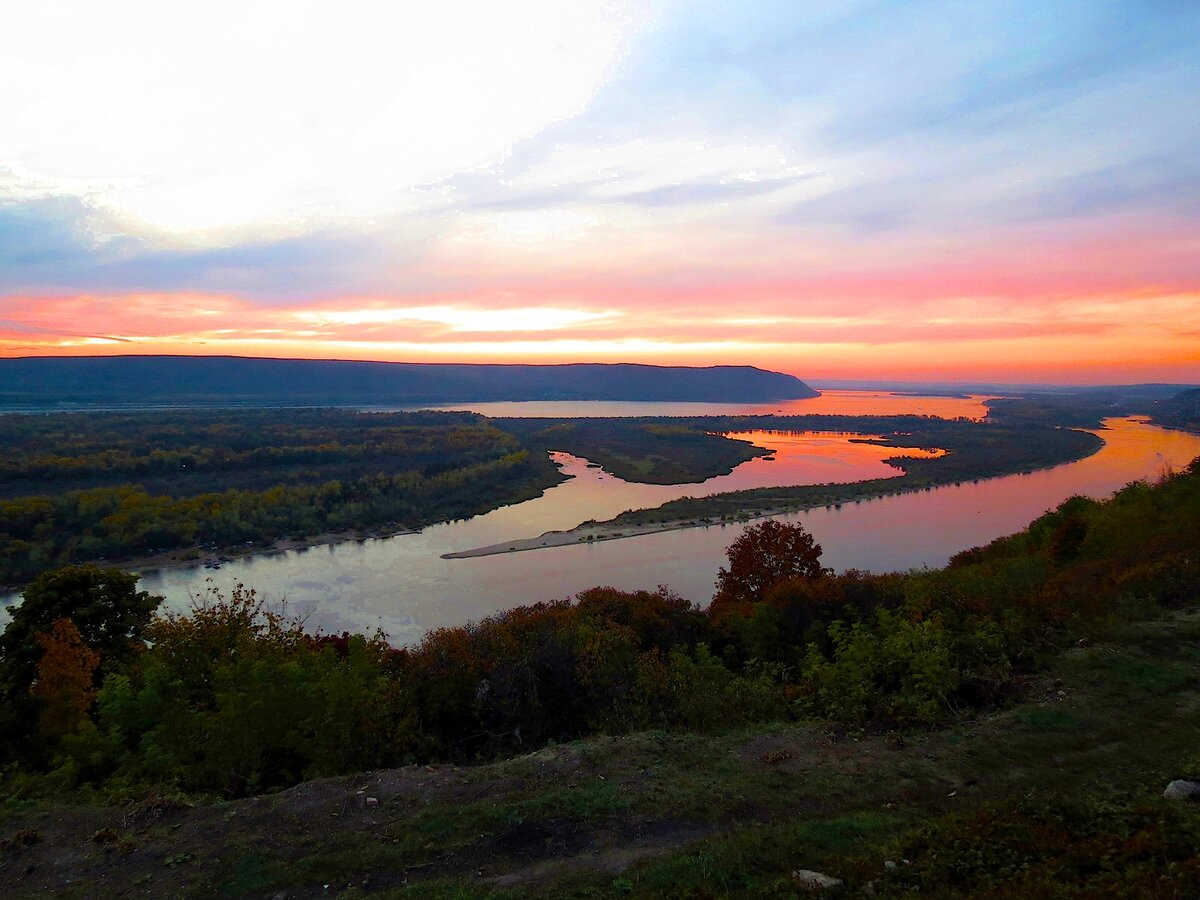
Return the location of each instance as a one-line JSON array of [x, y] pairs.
[[402, 585], [830, 403]]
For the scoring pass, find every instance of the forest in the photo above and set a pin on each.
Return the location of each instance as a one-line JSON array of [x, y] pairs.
[[78, 487], [90, 486]]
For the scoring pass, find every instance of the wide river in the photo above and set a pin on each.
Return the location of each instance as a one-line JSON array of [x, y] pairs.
[[402, 585]]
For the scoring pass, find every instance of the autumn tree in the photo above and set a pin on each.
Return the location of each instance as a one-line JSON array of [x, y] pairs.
[[64, 686], [764, 555], [104, 604], [106, 609]]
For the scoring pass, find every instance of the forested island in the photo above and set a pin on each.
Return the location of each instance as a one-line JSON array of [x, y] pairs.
[[968, 451]]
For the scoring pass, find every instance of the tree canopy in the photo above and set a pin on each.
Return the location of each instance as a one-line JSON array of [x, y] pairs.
[[765, 555]]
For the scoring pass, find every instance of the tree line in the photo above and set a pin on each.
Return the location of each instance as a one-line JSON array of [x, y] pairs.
[[115, 486], [98, 689]]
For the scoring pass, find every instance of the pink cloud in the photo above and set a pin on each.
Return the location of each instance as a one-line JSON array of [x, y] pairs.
[[1028, 303]]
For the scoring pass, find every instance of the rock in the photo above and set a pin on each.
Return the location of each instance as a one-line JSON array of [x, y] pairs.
[[890, 864], [807, 878], [1183, 790]]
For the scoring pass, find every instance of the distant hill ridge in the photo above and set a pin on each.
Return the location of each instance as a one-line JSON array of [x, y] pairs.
[[1180, 411], [50, 382]]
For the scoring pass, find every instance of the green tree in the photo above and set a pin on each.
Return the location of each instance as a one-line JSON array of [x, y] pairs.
[[105, 607], [103, 603]]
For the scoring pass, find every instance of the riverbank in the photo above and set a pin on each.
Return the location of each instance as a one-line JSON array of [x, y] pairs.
[[212, 558], [215, 558], [582, 534], [620, 527]]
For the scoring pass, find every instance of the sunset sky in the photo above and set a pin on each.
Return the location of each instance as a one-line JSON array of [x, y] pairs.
[[1003, 191]]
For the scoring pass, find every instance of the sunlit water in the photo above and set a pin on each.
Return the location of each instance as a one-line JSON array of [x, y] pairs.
[[830, 403], [402, 584]]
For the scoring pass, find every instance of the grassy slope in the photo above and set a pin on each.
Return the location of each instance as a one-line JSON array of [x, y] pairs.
[[655, 814]]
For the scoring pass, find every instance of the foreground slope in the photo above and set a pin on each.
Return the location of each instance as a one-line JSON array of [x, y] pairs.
[[669, 814], [1004, 727]]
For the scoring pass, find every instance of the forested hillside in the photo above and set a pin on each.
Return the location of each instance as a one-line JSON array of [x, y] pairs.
[[130, 381], [1180, 411]]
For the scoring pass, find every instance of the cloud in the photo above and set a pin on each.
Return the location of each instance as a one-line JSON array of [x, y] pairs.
[[711, 191], [207, 115], [459, 319], [37, 234], [694, 179], [54, 243], [1155, 182]]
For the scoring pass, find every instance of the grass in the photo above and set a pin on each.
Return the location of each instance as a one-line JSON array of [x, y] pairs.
[[661, 814]]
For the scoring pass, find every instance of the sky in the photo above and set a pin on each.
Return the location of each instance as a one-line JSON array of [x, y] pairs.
[[840, 189]]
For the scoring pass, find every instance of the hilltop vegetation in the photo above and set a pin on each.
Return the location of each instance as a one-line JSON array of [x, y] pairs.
[[233, 699]]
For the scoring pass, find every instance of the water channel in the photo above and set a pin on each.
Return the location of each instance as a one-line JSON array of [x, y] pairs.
[[402, 585]]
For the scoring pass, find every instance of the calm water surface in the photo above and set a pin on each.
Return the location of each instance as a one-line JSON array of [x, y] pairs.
[[830, 403], [402, 585]]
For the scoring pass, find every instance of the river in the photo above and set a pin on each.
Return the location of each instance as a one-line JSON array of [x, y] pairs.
[[829, 403], [402, 585]]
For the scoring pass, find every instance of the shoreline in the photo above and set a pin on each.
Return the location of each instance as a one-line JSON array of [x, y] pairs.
[[216, 558], [595, 533], [584, 533]]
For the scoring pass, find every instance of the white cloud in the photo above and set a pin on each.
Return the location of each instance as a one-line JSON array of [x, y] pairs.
[[205, 115], [459, 320]]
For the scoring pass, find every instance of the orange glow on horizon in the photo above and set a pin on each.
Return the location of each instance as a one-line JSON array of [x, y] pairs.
[[908, 326]]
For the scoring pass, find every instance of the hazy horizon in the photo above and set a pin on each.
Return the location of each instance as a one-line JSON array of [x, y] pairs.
[[845, 191]]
